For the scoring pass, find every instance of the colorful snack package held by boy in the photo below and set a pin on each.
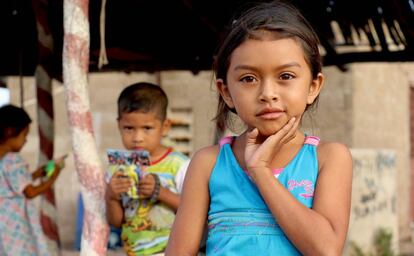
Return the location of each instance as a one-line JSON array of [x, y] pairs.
[[131, 163]]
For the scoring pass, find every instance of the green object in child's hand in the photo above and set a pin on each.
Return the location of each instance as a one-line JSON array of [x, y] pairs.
[[50, 168]]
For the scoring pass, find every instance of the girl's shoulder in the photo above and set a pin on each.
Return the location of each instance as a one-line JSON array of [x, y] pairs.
[[13, 158], [207, 154], [332, 153], [204, 160], [325, 147]]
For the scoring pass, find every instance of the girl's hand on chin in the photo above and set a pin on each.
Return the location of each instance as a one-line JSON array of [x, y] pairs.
[[259, 155]]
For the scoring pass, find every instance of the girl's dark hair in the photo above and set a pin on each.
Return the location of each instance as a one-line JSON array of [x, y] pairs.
[[143, 97], [282, 20], [13, 121]]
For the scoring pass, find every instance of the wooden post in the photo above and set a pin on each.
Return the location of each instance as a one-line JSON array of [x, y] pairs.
[[45, 117], [88, 166]]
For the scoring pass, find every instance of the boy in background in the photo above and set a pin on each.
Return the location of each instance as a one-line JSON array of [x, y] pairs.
[[146, 222]]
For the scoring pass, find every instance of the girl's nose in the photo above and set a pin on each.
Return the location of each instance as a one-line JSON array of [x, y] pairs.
[[268, 92]]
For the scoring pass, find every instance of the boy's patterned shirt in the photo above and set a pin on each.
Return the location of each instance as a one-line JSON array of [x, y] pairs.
[[147, 226]]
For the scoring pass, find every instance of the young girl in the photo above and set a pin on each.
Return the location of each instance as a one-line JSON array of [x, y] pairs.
[[273, 190], [20, 231]]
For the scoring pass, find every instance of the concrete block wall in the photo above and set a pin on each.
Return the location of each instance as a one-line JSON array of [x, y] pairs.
[[368, 108], [332, 116], [381, 120]]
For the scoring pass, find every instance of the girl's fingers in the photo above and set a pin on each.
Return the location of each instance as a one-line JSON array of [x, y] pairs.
[[252, 136], [60, 163], [283, 133], [291, 128]]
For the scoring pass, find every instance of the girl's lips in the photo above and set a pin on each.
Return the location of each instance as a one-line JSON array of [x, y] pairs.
[[270, 115]]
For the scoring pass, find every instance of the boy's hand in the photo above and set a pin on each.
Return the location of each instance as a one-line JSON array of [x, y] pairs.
[[119, 184], [146, 186]]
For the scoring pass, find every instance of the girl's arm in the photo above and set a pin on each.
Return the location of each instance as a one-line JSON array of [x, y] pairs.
[[39, 172], [32, 191], [321, 230], [191, 216]]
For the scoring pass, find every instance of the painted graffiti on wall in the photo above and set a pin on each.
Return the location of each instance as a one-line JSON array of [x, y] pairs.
[[373, 196]]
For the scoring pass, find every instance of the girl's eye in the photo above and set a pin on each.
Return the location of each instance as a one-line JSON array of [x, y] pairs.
[[286, 76], [147, 128], [128, 128], [248, 79]]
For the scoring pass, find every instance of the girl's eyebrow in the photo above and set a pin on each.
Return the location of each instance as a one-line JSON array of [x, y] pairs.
[[287, 65], [238, 67], [290, 64]]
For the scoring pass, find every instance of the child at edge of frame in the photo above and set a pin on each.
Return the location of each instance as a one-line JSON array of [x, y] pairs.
[[146, 221], [20, 228], [269, 190]]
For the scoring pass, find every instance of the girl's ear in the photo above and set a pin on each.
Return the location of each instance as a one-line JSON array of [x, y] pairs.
[[166, 126], [315, 88], [224, 92]]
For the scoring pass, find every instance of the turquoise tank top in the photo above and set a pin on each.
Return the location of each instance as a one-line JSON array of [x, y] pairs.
[[239, 222]]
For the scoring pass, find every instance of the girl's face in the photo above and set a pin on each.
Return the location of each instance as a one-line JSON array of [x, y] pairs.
[[17, 143], [268, 83]]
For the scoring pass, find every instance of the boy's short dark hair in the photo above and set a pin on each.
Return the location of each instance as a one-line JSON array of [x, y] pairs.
[[143, 97]]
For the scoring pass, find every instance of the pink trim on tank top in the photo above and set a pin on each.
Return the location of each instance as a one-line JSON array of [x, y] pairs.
[[226, 140], [312, 140], [277, 171]]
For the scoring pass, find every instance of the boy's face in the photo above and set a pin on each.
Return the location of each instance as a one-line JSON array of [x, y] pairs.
[[141, 130]]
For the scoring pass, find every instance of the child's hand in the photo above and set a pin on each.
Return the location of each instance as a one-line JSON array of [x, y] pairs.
[[60, 162], [119, 184], [146, 186], [259, 155], [53, 167]]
